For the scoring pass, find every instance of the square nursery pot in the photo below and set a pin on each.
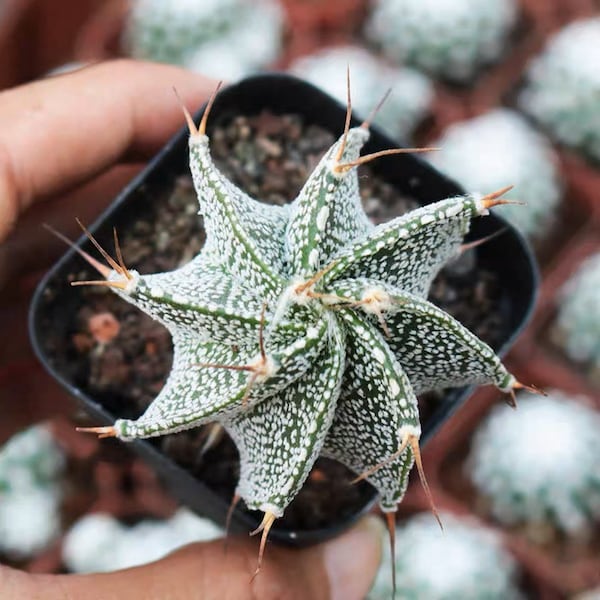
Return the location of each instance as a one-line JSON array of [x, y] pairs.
[[496, 311]]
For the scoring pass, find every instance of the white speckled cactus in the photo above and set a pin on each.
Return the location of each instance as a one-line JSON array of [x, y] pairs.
[[402, 111], [593, 594], [221, 38], [498, 149], [305, 329], [98, 542], [31, 464], [30, 459], [464, 561], [562, 90], [448, 38], [577, 328], [540, 465]]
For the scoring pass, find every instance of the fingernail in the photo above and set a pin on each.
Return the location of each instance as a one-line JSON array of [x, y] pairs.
[[352, 560]]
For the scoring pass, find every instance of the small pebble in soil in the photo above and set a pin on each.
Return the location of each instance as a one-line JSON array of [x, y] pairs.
[[104, 327]]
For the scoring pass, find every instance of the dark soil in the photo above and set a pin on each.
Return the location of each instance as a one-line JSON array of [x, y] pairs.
[[124, 366]]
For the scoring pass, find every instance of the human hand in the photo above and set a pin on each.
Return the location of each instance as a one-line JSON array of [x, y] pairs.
[[67, 145]]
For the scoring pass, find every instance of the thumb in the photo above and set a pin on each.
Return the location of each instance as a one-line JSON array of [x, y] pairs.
[[343, 568]]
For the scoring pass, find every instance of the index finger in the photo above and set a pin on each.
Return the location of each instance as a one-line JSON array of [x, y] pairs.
[[59, 132]]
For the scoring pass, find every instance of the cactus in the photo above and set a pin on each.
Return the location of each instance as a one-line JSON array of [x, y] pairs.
[[30, 459], [304, 329], [541, 465], [408, 103], [562, 90], [577, 329], [464, 561], [30, 468], [99, 542], [221, 38], [593, 594], [497, 149], [449, 39]]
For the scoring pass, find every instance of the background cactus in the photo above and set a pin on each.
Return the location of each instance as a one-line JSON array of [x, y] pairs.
[[221, 38], [562, 91], [464, 561], [593, 594], [540, 465], [447, 39], [304, 329], [577, 329], [497, 149], [402, 111], [99, 542], [31, 464]]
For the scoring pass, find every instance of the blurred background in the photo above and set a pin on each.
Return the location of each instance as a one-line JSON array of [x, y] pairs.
[[514, 85]]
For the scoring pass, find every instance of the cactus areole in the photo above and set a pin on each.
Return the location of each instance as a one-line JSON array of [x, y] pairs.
[[305, 330]]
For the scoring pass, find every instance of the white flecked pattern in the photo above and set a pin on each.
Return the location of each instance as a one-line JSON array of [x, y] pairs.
[[295, 422], [408, 251], [327, 215], [325, 359], [376, 408]]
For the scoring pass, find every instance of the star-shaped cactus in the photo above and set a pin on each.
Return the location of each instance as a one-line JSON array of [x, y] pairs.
[[305, 330]]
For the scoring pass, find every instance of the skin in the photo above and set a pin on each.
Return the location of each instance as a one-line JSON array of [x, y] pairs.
[[67, 145]]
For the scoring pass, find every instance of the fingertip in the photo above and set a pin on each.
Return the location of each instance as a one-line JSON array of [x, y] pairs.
[[351, 560], [60, 132], [155, 113]]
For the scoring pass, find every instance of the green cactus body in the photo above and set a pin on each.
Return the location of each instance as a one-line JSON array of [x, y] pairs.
[[464, 561], [501, 149], [305, 329], [221, 38], [562, 90], [577, 329], [407, 105], [540, 465], [451, 39]]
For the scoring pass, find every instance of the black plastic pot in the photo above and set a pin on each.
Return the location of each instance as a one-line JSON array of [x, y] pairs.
[[507, 255]]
